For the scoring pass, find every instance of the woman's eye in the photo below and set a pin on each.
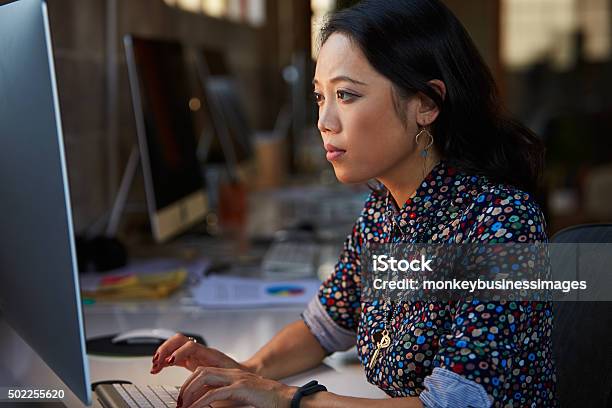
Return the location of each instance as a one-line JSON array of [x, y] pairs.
[[318, 97], [345, 96]]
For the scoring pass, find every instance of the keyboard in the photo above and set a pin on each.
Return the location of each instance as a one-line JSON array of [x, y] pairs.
[[133, 396], [291, 260]]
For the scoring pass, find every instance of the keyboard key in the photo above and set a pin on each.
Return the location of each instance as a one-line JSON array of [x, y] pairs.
[[135, 393], [119, 388]]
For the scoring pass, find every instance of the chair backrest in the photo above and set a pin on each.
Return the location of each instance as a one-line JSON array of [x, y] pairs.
[[587, 233], [582, 336]]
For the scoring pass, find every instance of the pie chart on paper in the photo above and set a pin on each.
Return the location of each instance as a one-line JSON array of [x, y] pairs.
[[285, 290]]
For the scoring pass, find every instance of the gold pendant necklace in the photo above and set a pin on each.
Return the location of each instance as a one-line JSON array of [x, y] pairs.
[[383, 342]]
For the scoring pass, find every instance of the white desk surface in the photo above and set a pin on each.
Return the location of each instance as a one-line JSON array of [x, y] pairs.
[[239, 333]]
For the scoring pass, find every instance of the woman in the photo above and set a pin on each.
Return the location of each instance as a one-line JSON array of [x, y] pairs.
[[405, 98]]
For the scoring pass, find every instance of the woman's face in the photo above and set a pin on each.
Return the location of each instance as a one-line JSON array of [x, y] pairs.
[[361, 130]]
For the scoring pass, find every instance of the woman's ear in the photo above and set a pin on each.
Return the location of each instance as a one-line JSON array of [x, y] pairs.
[[428, 110]]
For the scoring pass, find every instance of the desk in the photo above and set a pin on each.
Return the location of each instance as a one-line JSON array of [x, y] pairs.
[[239, 333]]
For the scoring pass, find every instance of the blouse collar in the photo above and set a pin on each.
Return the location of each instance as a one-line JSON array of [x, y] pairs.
[[434, 187]]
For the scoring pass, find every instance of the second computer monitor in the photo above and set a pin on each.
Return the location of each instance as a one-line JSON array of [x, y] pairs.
[[233, 131], [167, 137]]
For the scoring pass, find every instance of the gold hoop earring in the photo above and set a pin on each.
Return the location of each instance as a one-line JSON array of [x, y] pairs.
[[425, 151]]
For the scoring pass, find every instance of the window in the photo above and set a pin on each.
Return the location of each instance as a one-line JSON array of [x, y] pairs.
[[320, 8], [533, 30], [241, 11]]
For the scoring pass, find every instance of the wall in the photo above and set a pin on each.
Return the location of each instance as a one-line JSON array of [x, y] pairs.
[[481, 19], [77, 28]]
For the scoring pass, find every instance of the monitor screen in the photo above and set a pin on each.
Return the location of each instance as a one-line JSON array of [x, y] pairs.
[[232, 128], [167, 137], [39, 294]]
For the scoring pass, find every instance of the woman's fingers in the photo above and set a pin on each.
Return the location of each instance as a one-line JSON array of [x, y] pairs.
[[210, 385], [188, 381], [199, 394], [182, 355], [180, 351], [205, 377], [160, 359], [232, 392]]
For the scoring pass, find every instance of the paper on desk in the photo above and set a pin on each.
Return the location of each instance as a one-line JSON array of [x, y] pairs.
[[149, 279], [237, 292]]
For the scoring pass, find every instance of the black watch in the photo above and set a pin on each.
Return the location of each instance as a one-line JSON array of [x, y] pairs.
[[304, 390]]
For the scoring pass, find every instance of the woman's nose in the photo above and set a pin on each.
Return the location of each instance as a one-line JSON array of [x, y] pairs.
[[328, 120]]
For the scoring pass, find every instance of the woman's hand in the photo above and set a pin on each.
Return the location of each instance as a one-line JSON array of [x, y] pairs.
[[179, 350], [209, 384]]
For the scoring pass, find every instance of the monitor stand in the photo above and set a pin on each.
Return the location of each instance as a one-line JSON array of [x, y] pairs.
[[124, 191]]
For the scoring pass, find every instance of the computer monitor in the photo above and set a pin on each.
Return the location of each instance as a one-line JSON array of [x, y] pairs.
[[229, 117], [174, 186], [39, 294]]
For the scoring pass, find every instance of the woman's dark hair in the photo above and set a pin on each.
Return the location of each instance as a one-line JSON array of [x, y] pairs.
[[413, 41]]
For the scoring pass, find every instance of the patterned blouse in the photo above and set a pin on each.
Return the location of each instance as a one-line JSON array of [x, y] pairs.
[[449, 354]]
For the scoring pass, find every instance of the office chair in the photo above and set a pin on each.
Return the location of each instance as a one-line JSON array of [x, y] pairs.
[[582, 335]]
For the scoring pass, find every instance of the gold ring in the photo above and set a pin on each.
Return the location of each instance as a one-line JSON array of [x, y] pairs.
[[192, 339]]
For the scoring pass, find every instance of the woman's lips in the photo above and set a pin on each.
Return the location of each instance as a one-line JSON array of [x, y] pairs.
[[333, 152], [331, 156]]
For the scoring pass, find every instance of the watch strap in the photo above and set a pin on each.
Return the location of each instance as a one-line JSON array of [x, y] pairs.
[[306, 389]]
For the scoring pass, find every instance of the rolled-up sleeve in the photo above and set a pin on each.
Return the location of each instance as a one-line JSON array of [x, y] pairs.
[[330, 335], [445, 389]]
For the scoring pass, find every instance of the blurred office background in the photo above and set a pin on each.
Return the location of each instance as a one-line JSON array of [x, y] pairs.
[[551, 59]]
